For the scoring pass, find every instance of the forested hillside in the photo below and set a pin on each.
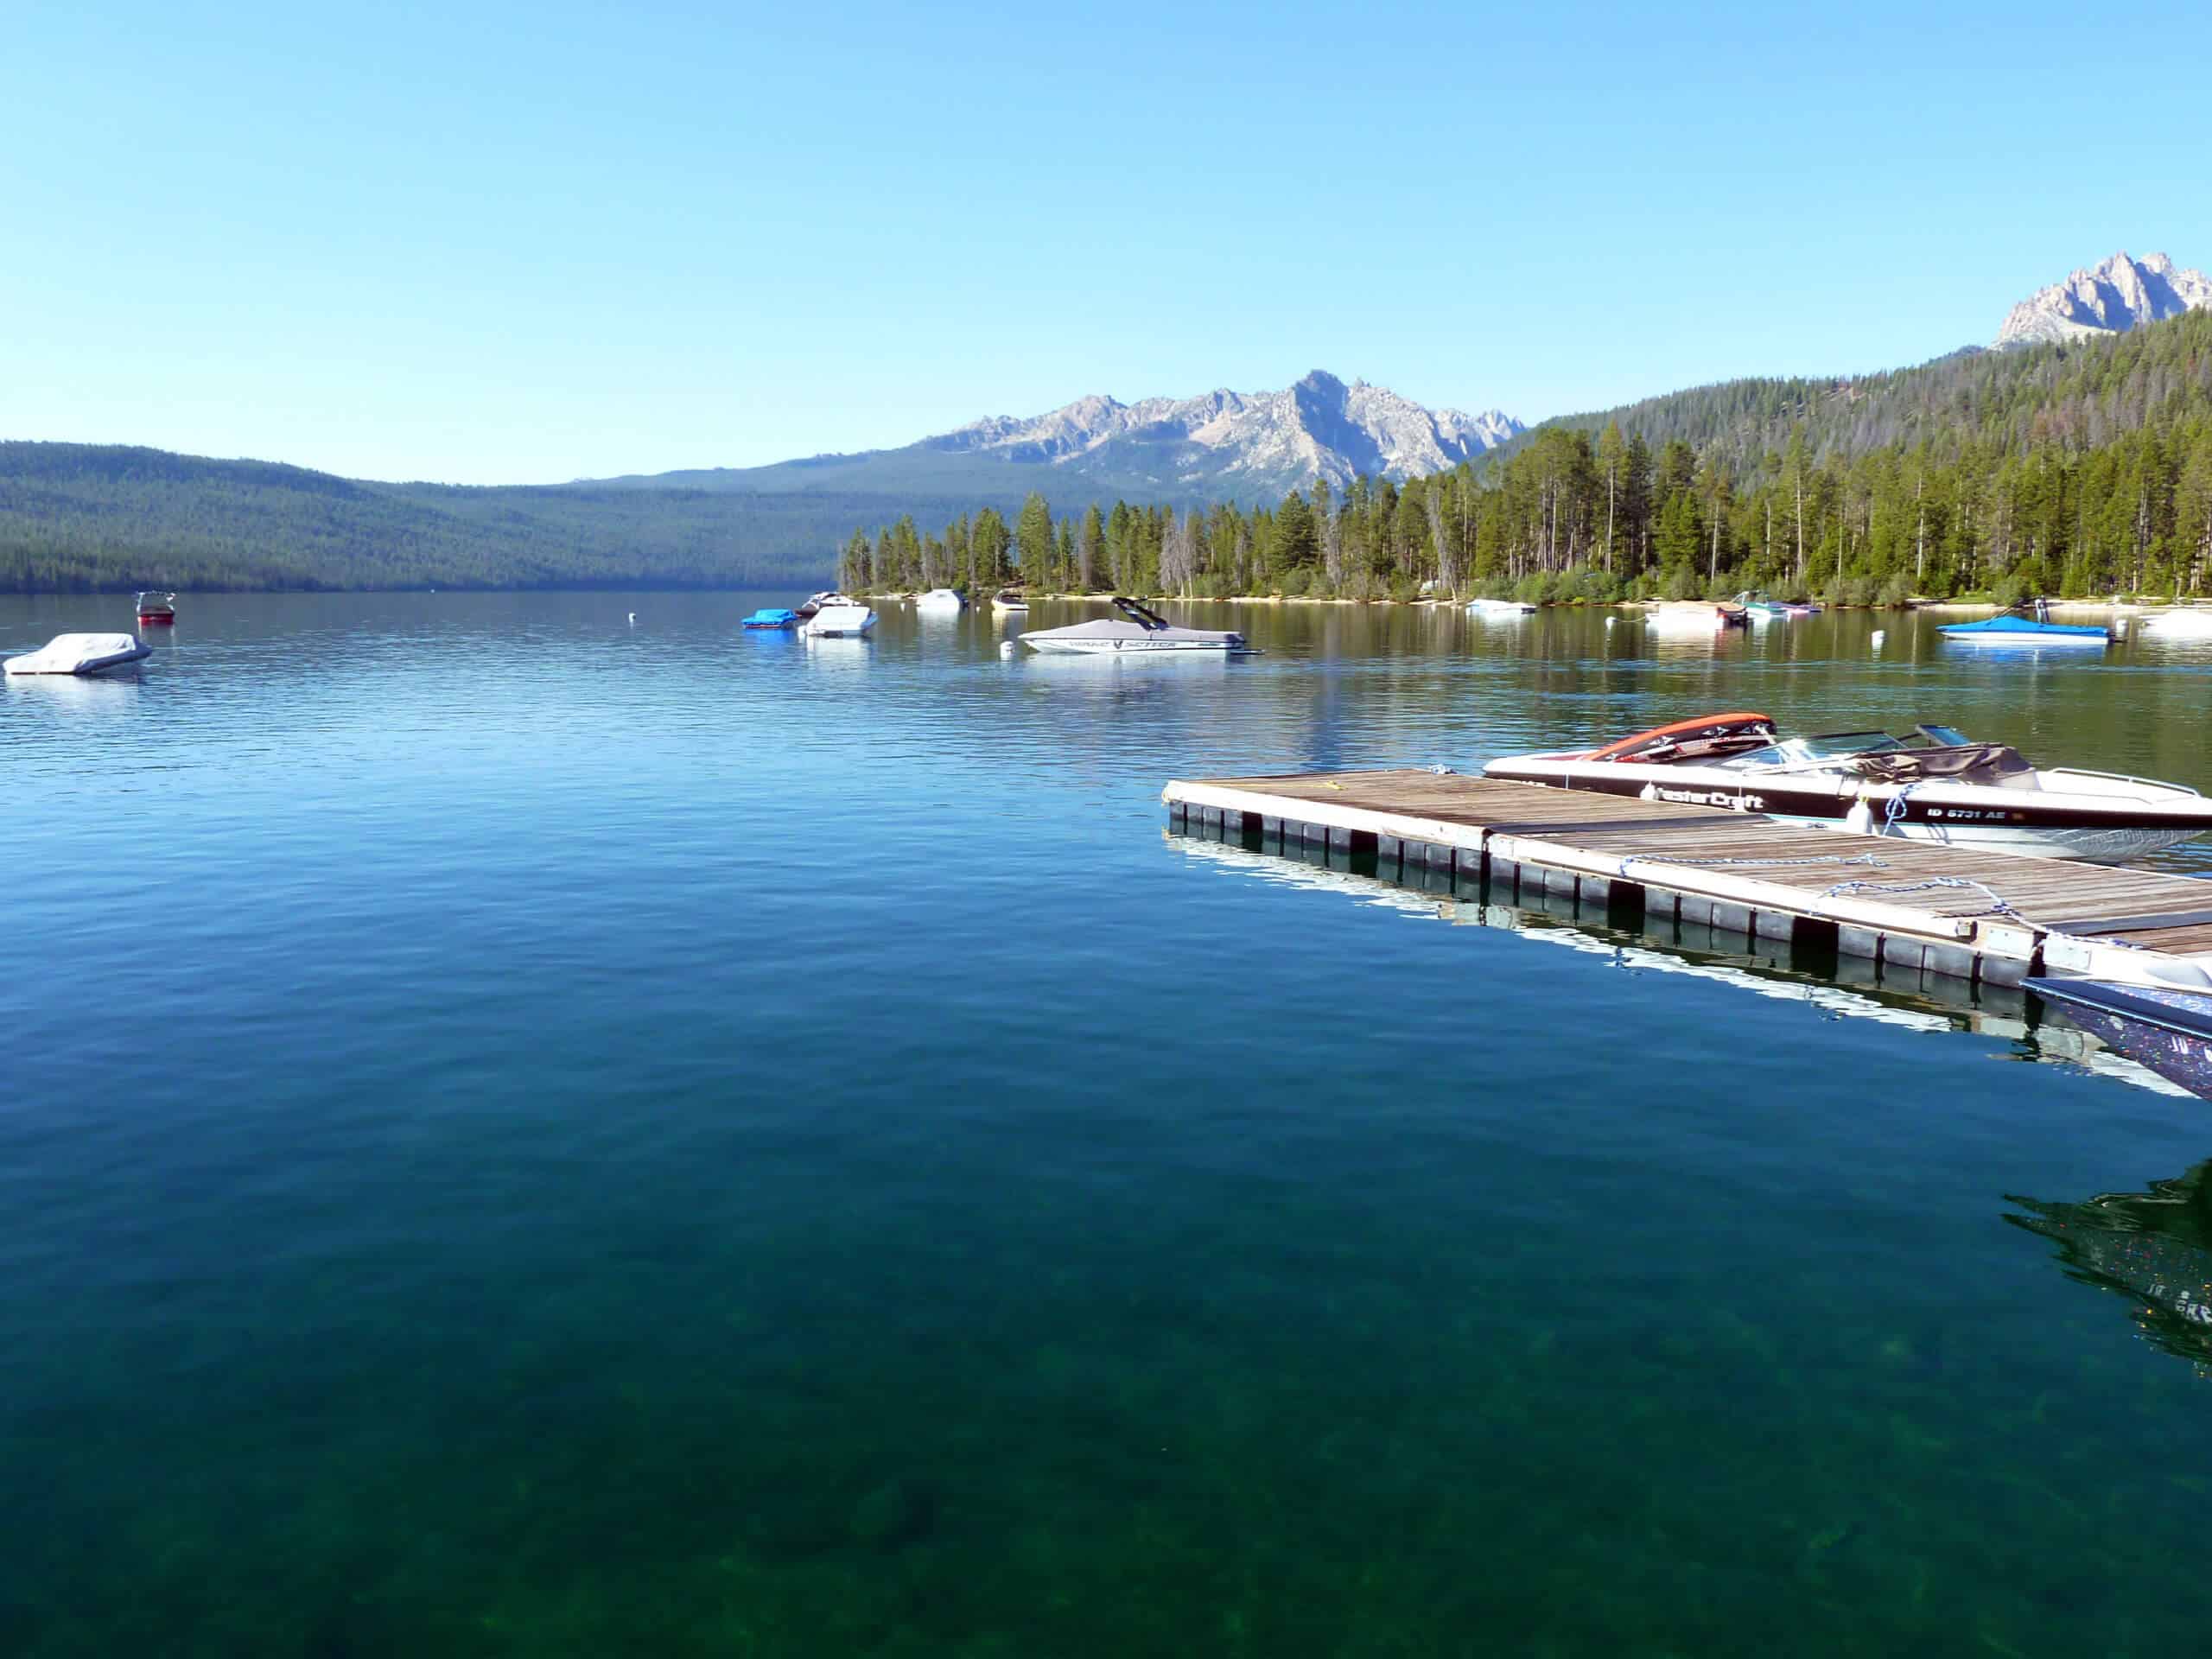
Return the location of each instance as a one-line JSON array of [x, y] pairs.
[[81, 517], [2084, 467]]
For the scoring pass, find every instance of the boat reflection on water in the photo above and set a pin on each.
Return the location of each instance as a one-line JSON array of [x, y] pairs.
[[2153, 1248]]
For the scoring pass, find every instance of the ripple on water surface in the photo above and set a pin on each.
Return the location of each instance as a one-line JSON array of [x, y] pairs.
[[530, 1134]]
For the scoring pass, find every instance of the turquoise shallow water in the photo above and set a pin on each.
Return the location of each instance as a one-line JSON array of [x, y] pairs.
[[527, 1134]]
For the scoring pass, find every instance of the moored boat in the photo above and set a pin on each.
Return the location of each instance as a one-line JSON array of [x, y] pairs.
[[1008, 600], [157, 610], [1499, 607], [1683, 616], [80, 653], [2186, 622], [2026, 626], [1761, 607], [1935, 785], [1137, 629], [837, 617], [771, 619], [945, 600]]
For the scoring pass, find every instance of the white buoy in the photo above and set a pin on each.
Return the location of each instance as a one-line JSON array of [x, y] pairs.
[[1005, 647], [634, 619], [1610, 620], [1879, 635], [2120, 627]]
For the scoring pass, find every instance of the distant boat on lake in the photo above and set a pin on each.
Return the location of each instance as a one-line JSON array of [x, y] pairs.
[[157, 610], [1137, 629], [2026, 626], [80, 653], [941, 601], [771, 619], [837, 617]]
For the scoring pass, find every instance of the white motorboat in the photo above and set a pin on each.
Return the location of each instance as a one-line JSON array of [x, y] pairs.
[[940, 600], [1136, 629], [1934, 785], [837, 617], [1007, 600], [1499, 607], [80, 653]]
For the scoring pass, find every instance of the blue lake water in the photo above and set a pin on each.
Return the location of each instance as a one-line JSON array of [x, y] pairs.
[[527, 1133]]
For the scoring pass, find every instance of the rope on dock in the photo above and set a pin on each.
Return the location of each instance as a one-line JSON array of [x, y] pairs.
[[1997, 904]]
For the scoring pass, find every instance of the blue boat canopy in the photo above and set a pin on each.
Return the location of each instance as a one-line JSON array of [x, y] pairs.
[[771, 619], [2023, 624]]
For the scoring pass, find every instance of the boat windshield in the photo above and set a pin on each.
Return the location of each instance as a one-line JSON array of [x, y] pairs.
[[1805, 750]]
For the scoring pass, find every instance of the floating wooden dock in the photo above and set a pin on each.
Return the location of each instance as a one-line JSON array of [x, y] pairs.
[[1995, 918]]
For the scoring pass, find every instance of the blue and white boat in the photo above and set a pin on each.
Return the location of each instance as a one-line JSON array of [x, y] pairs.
[[776, 619], [2028, 627], [2167, 1028]]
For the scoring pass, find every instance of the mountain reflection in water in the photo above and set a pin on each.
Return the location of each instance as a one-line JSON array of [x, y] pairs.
[[2153, 1248]]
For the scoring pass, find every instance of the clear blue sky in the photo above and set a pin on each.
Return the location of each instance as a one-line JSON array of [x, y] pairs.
[[519, 244]]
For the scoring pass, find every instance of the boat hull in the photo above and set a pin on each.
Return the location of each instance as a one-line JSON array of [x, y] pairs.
[[1128, 647]]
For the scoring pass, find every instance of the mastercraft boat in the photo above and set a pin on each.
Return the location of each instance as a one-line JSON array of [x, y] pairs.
[[1935, 785], [79, 653], [2026, 626], [837, 617], [1135, 629]]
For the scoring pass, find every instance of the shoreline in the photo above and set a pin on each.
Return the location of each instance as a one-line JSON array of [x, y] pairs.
[[1934, 607]]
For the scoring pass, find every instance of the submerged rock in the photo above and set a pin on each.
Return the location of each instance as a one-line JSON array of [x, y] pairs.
[[892, 1515]]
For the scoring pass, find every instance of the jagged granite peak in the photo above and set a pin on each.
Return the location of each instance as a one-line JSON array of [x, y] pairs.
[[1318, 427], [2108, 299]]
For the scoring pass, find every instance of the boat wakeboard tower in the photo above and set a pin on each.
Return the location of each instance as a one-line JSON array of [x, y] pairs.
[[1932, 785]]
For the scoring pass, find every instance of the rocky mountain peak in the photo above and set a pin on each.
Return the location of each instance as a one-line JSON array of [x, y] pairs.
[[1320, 427], [2121, 293]]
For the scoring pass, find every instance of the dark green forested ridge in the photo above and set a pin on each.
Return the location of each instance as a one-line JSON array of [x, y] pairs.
[[2079, 468], [77, 518]]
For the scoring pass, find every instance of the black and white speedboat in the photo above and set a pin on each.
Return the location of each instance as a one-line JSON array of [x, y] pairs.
[[1935, 785], [1136, 629]]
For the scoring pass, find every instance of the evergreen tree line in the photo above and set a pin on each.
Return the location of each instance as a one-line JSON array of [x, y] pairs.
[[2078, 469]]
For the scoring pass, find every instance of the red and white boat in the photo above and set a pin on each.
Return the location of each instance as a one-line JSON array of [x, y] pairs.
[[157, 610], [1935, 785]]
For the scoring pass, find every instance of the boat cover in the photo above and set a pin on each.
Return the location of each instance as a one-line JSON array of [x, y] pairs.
[[79, 653], [1955, 763], [1706, 738], [2027, 627]]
